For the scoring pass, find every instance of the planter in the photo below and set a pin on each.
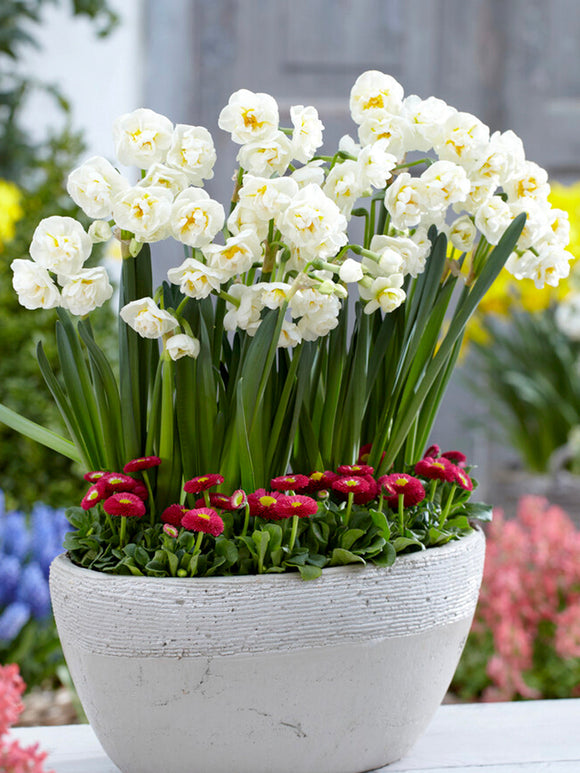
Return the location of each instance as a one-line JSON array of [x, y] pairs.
[[267, 673]]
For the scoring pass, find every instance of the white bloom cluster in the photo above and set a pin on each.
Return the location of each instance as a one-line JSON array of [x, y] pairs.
[[60, 246], [284, 242]]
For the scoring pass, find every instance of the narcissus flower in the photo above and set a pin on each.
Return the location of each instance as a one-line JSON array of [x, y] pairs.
[[296, 504], [142, 463], [355, 469], [203, 519], [400, 483], [320, 481], [202, 483], [456, 457], [265, 504], [125, 504], [92, 497], [436, 469], [290, 482], [173, 514], [462, 479]]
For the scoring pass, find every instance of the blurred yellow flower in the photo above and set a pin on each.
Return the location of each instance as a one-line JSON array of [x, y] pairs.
[[10, 211]]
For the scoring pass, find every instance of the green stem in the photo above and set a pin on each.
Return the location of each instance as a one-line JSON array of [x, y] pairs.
[[246, 521], [151, 499], [123, 532], [446, 511], [432, 489], [293, 533], [348, 508], [401, 515], [197, 546]]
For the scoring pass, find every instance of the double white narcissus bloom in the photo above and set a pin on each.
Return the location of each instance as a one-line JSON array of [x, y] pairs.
[[383, 293], [249, 117], [373, 95], [86, 291], [266, 198], [375, 164], [246, 315], [192, 151], [462, 233], [313, 223], [195, 279], [398, 254], [147, 319], [266, 157], [344, 185], [307, 133], [182, 345], [164, 176], [318, 313], [61, 245], [144, 211], [405, 201], [94, 185], [34, 286], [195, 218], [236, 256], [142, 138]]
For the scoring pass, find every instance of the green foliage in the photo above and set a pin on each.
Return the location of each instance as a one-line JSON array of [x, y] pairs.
[[336, 535], [527, 373], [29, 471]]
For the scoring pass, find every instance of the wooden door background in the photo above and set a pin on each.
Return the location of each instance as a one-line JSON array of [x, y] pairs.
[[513, 63]]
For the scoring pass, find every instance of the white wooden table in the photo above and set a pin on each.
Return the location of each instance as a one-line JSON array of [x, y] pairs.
[[473, 738]]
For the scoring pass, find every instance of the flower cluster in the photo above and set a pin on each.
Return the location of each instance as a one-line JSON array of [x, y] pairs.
[[290, 506], [529, 607], [27, 548], [285, 240], [15, 758]]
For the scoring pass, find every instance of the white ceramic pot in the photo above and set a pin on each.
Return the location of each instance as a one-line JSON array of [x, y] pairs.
[[268, 673]]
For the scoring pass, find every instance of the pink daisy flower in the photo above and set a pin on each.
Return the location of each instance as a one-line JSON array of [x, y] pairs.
[[125, 504], [355, 469], [264, 504], [297, 504], [202, 483], [400, 483], [116, 481], [173, 514], [436, 469], [290, 482], [203, 519], [142, 463], [92, 497], [456, 457], [462, 479], [321, 481], [433, 451], [222, 501], [94, 476]]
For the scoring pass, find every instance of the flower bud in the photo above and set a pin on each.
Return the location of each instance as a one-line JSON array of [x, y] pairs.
[[100, 231]]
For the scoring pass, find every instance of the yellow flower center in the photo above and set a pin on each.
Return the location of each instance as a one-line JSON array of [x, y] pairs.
[[267, 501]]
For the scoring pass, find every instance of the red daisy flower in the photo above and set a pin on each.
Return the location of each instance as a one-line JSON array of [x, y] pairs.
[[436, 469], [116, 481], [203, 482], [170, 530], [264, 504], [456, 457], [365, 452], [94, 476], [216, 500], [124, 503], [142, 463], [141, 490], [290, 482], [400, 483], [433, 452], [238, 499], [93, 495], [203, 519], [462, 479], [297, 504], [355, 469], [320, 481], [351, 484], [173, 514]]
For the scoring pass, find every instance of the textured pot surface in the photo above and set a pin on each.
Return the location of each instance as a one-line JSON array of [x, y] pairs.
[[269, 673]]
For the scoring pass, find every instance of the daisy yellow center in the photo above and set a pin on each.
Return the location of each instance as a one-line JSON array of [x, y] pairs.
[[267, 501], [401, 482], [439, 465], [317, 476], [125, 501], [205, 516]]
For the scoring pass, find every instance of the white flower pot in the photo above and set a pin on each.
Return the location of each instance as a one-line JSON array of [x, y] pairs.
[[268, 673]]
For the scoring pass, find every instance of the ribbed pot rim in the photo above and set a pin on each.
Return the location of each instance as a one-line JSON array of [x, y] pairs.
[[436, 553]]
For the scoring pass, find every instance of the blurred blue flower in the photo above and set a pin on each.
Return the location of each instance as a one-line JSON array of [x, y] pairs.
[[13, 620], [27, 548]]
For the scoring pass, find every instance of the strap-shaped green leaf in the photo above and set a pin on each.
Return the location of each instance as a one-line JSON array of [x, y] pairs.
[[39, 434]]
